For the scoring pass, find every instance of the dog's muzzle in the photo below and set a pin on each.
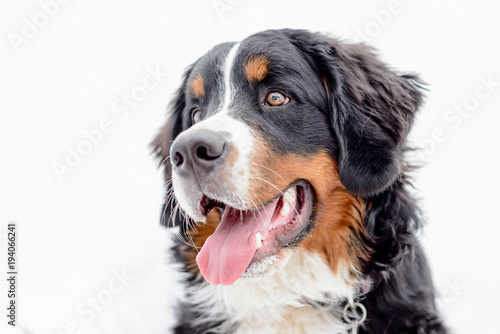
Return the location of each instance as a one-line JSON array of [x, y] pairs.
[[198, 153]]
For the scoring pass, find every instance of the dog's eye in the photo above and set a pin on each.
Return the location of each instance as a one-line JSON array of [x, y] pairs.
[[196, 116], [276, 99]]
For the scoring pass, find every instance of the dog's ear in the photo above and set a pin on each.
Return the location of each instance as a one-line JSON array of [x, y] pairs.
[[161, 149], [372, 110]]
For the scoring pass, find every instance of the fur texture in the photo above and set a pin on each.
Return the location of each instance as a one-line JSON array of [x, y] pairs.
[[342, 132]]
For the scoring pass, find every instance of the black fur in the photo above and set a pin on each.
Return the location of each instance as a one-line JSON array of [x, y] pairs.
[[362, 117]]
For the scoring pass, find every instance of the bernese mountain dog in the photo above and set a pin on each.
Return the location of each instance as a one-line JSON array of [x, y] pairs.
[[284, 161]]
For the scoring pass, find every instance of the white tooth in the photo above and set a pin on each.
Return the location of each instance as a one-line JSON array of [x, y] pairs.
[[289, 196], [285, 209], [288, 200], [258, 239]]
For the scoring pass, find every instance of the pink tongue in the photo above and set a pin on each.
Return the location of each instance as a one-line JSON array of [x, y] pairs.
[[228, 252]]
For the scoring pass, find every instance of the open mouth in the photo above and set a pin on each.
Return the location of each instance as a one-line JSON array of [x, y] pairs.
[[244, 237]]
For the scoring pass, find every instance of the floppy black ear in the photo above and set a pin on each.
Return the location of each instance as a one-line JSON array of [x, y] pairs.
[[161, 148], [372, 111]]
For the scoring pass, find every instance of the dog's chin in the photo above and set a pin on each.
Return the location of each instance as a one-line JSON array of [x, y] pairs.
[[266, 266], [263, 267]]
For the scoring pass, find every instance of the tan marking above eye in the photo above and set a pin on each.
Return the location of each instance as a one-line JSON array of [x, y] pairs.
[[256, 68], [276, 98], [197, 86]]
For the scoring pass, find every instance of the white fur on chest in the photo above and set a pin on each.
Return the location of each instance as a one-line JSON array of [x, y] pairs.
[[280, 302]]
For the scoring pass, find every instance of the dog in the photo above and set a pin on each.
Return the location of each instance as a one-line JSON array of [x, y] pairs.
[[284, 161]]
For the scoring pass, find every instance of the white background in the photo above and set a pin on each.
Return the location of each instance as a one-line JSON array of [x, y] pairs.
[[103, 216]]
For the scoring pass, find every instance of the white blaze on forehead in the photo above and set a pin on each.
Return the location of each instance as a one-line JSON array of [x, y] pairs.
[[228, 89], [239, 137]]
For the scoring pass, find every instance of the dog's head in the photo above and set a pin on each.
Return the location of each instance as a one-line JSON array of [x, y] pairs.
[[284, 135]]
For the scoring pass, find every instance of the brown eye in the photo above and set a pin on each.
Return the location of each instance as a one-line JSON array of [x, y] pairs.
[[277, 99], [196, 116]]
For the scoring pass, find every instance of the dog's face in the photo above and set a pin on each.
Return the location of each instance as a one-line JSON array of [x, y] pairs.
[[277, 144]]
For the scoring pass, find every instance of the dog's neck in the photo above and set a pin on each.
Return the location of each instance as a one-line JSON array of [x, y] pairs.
[[303, 293]]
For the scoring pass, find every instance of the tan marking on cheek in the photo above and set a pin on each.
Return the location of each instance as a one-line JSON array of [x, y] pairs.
[[198, 235], [256, 68], [339, 224], [197, 86], [339, 231]]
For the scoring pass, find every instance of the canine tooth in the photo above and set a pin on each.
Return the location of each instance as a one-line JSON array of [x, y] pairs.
[[288, 200], [289, 196], [258, 239], [285, 209]]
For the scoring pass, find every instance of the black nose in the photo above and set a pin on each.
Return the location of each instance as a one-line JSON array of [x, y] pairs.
[[200, 151]]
